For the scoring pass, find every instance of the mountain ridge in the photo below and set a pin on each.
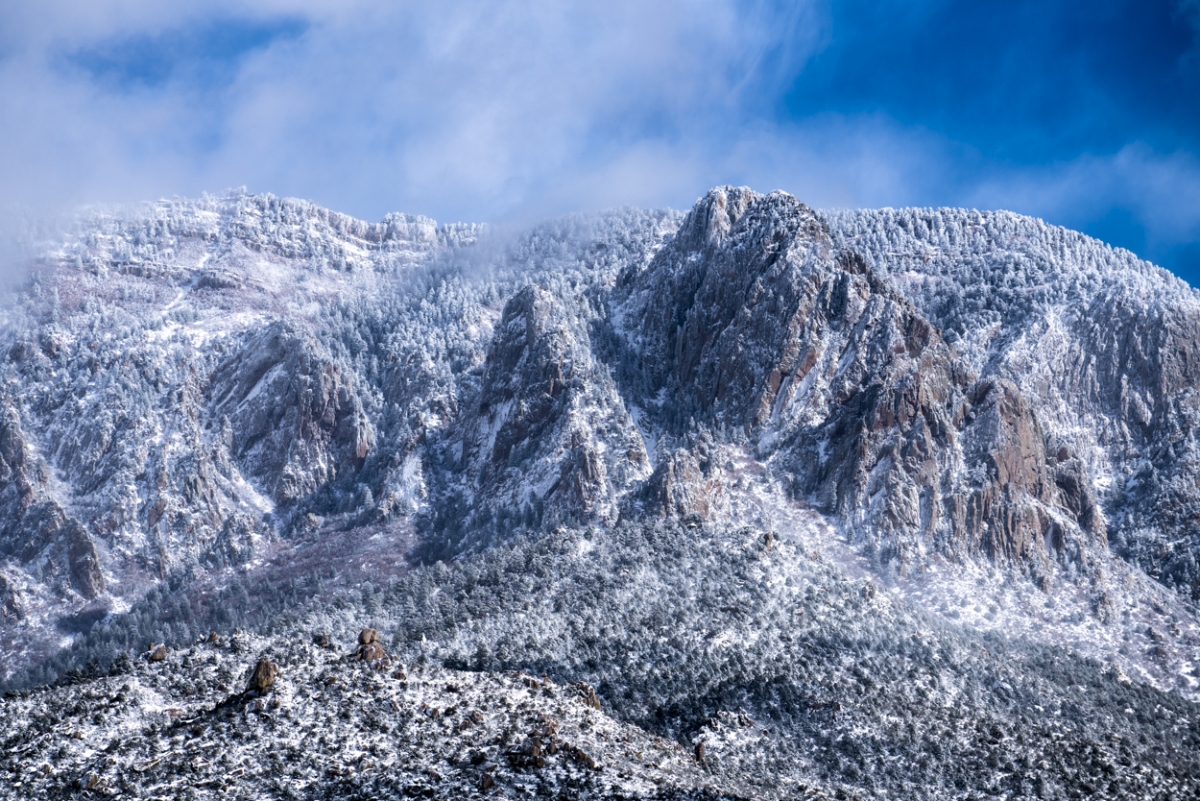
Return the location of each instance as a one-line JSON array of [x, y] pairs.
[[239, 410]]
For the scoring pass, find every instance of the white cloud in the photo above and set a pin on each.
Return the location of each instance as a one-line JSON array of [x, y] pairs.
[[504, 110], [1160, 190], [465, 109]]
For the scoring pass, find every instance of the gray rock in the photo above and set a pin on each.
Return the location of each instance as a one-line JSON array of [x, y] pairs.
[[751, 318]]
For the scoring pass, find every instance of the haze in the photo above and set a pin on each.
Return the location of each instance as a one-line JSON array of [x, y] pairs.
[[1082, 114]]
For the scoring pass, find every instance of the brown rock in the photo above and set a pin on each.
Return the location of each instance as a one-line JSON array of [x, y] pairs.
[[370, 652], [263, 676], [582, 757], [684, 486], [85, 561], [530, 754], [158, 654], [368, 636], [588, 694]]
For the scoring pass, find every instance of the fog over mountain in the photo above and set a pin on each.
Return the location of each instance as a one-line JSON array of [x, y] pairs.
[[753, 501]]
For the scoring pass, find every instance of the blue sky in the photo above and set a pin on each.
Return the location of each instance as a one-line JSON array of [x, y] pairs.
[[1084, 114]]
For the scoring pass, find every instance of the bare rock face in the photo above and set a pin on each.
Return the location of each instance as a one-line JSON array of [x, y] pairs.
[[549, 439], [1017, 495], [12, 605], [685, 485], [35, 525], [1103, 346], [295, 420], [84, 561], [23, 486], [1137, 390], [751, 319], [714, 313]]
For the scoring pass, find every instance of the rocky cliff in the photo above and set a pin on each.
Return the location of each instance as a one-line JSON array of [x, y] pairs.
[[1102, 346], [245, 385], [752, 320]]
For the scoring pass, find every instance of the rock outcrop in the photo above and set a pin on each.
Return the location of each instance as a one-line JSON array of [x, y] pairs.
[[751, 319], [685, 486], [263, 676], [12, 606], [295, 421], [549, 439], [1102, 346], [35, 525], [370, 646]]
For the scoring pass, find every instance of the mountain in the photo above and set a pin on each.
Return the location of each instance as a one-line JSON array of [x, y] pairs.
[[836, 502]]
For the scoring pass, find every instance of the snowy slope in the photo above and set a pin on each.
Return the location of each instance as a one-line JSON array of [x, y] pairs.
[[245, 411], [1102, 344]]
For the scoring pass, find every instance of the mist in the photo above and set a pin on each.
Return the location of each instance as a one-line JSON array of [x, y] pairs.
[[507, 112]]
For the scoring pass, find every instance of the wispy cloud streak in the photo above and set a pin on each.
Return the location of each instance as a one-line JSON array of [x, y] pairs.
[[508, 111]]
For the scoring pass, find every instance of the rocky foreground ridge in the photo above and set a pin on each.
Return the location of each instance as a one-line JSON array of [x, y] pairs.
[[233, 411], [644, 662]]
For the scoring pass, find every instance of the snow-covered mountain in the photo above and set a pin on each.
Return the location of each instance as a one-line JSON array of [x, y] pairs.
[[247, 411]]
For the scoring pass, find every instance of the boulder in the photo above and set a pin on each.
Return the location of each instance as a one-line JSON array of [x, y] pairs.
[[587, 693], [263, 676], [370, 652]]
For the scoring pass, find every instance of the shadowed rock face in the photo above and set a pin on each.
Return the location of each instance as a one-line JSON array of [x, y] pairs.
[[716, 312], [549, 439], [295, 421], [684, 486], [34, 526], [751, 319], [84, 561], [12, 606]]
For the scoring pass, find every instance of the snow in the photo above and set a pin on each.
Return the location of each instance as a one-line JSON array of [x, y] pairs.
[[133, 315]]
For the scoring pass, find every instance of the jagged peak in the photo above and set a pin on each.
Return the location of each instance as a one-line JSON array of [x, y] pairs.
[[719, 211]]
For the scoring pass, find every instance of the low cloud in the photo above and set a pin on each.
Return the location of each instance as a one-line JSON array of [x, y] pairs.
[[463, 109], [502, 111]]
